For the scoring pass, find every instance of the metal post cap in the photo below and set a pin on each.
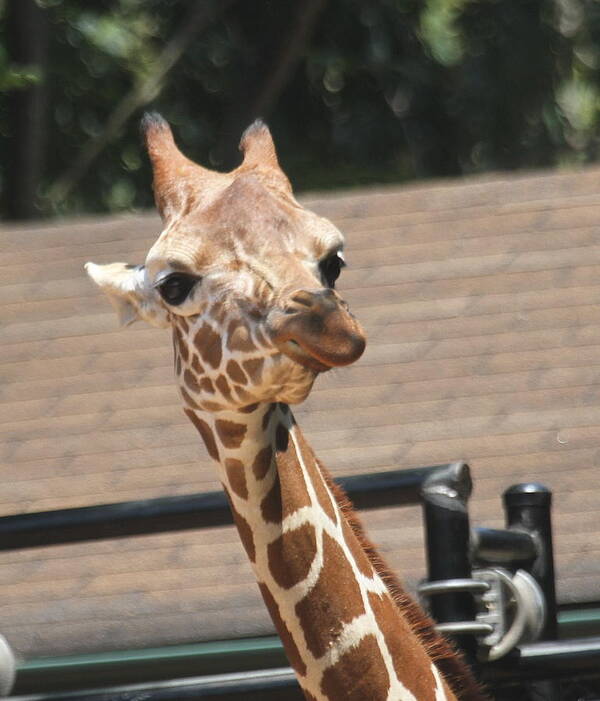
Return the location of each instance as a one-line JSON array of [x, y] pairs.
[[527, 494]]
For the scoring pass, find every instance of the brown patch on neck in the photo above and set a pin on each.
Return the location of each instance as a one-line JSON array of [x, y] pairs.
[[197, 365], [289, 492], [253, 368], [190, 380], [360, 557], [238, 337], [235, 372], [291, 649], [206, 385], [291, 555], [206, 433], [223, 386], [212, 406], [334, 601], [183, 324], [271, 507], [180, 343], [262, 462], [209, 346], [317, 480], [188, 399], [242, 394], [244, 530], [230, 433], [359, 675], [245, 535], [236, 477]]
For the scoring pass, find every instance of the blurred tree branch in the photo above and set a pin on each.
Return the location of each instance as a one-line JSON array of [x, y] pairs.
[[201, 15], [290, 51], [293, 46], [26, 38]]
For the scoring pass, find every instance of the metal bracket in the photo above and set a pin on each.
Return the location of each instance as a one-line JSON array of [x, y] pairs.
[[510, 609]]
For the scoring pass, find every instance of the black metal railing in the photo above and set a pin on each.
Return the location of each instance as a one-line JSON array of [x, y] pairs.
[[178, 513], [460, 562]]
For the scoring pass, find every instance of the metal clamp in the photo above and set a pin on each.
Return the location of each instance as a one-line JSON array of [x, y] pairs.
[[514, 606], [452, 586], [447, 586], [511, 609]]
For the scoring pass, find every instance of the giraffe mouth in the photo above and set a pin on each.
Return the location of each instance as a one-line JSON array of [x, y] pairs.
[[295, 351], [320, 352], [317, 330]]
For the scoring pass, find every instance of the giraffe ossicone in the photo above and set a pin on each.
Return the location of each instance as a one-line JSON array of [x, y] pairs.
[[245, 277]]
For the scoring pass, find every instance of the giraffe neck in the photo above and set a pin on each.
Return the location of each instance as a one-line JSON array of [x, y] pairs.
[[343, 634]]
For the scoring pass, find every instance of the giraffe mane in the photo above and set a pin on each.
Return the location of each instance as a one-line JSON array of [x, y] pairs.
[[448, 658]]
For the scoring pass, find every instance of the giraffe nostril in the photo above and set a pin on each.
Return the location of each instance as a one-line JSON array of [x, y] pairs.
[[302, 298], [320, 301], [299, 301]]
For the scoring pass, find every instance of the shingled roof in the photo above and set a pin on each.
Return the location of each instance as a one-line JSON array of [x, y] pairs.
[[481, 299]]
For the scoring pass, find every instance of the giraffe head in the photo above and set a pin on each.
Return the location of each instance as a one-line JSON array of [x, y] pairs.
[[242, 273]]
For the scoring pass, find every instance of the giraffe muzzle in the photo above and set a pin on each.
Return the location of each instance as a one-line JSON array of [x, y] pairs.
[[317, 330]]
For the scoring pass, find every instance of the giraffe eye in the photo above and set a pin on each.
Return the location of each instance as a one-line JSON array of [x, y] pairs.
[[331, 268], [176, 287]]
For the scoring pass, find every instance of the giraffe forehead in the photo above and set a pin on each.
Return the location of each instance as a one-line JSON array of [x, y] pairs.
[[195, 249], [248, 225]]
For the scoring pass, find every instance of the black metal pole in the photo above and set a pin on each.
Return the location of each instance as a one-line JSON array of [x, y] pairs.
[[528, 508], [445, 494]]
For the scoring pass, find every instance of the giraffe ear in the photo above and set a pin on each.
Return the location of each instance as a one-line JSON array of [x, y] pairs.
[[258, 147], [178, 181], [126, 288], [259, 151]]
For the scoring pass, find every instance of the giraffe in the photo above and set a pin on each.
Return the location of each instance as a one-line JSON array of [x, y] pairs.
[[245, 278]]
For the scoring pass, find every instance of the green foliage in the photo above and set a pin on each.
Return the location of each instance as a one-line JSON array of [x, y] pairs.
[[384, 90], [13, 77], [439, 30], [17, 78]]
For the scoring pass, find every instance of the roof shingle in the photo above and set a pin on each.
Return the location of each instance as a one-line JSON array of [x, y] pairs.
[[481, 302]]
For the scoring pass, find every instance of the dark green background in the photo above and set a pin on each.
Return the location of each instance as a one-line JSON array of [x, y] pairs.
[[355, 91]]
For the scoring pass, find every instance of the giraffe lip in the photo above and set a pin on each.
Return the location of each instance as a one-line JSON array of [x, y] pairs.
[[296, 352]]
